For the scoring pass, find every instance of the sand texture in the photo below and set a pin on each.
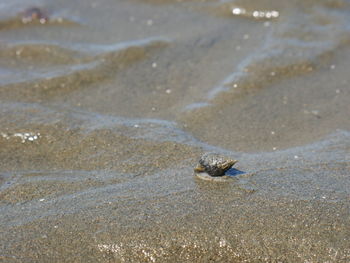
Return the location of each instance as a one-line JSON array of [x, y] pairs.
[[106, 107]]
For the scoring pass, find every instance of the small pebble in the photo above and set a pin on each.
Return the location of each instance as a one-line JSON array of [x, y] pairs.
[[238, 11], [34, 13]]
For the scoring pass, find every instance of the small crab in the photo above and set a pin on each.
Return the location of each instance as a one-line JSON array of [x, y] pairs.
[[214, 164]]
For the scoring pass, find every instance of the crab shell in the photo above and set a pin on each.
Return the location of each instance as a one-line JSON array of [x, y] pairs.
[[214, 164]]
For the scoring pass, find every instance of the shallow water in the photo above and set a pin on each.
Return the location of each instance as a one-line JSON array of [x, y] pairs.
[[107, 106]]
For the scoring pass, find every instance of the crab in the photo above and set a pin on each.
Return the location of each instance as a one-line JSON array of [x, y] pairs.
[[214, 164]]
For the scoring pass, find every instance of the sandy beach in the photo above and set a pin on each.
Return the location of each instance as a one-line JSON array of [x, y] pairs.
[[106, 107]]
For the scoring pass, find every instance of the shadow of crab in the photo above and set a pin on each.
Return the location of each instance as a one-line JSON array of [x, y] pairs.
[[234, 172]]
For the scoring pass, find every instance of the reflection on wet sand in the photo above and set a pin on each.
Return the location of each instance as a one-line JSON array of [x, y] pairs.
[[106, 107]]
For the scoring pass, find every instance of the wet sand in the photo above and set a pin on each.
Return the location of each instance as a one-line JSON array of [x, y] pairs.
[[106, 107]]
